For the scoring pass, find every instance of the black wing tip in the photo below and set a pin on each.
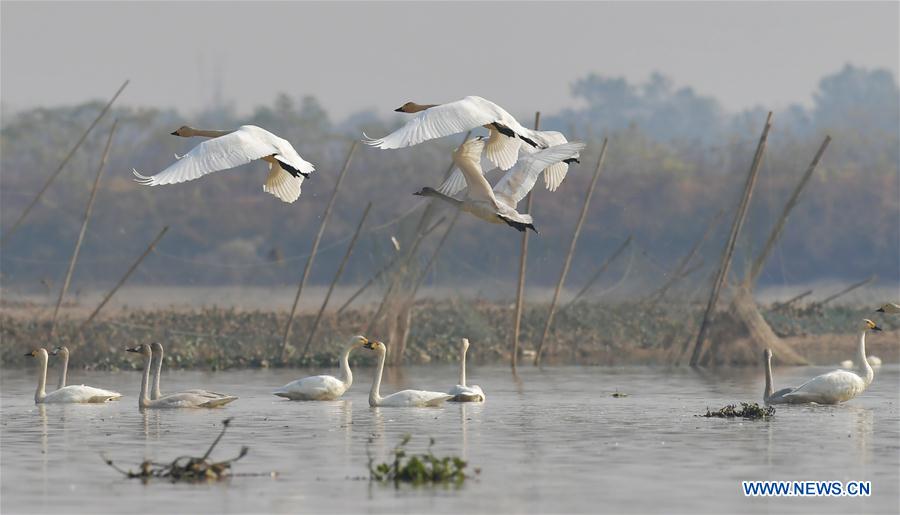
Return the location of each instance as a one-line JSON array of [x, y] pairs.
[[520, 226]]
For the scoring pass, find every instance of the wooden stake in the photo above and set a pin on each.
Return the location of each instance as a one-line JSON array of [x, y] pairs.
[[523, 265], [572, 244], [758, 263], [126, 276], [728, 252], [62, 165], [590, 282], [84, 224], [337, 277], [845, 291], [315, 248]]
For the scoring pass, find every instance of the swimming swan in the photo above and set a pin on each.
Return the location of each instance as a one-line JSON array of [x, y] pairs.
[[838, 385], [324, 387], [157, 354], [402, 399], [438, 120], [64, 368], [461, 392], [889, 307], [228, 149], [72, 394], [768, 396], [498, 205], [175, 400]]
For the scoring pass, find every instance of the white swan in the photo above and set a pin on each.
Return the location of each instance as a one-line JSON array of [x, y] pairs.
[[498, 205], [228, 149], [64, 368], [323, 388], [462, 392], [768, 396], [889, 307], [432, 121], [175, 400], [838, 385], [157, 355], [401, 399], [68, 394]]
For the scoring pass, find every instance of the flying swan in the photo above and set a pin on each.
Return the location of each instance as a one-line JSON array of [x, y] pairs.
[[461, 392], [499, 205], [228, 149], [68, 394], [324, 387], [838, 385], [438, 120], [175, 400], [401, 399]]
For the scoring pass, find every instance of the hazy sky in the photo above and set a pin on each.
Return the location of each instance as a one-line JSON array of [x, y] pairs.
[[357, 55]]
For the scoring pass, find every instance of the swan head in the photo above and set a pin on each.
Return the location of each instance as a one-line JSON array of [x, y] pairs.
[[767, 353], [156, 347], [184, 131], [465, 344], [142, 349], [868, 325], [360, 340], [62, 349], [374, 345], [37, 353]]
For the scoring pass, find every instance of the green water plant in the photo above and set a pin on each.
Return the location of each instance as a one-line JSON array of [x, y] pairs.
[[747, 411], [419, 469]]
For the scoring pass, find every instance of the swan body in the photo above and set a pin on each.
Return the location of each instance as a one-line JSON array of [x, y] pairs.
[[770, 397], [401, 399], [72, 394], [175, 400], [230, 149], [462, 392], [838, 385], [157, 354], [324, 387], [890, 307], [498, 205], [432, 121]]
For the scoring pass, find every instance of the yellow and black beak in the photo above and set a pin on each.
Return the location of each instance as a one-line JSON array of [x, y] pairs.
[[30, 354], [369, 344], [875, 327], [133, 349]]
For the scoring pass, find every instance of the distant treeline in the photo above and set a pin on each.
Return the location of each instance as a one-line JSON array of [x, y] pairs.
[[675, 159]]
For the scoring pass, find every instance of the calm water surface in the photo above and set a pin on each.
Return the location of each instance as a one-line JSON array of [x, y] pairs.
[[555, 441]]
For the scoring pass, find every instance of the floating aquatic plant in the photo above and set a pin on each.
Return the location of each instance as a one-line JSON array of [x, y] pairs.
[[748, 411], [618, 395], [185, 468], [418, 469]]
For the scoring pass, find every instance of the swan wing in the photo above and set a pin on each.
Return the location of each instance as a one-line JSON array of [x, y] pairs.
[[234, 149], [282, 184], [502, 150], [460, 393], [556, 172], [415, 398], [192, 400], [312, 388], [81, 394], [831, 387], [468, 159], [516, 183]]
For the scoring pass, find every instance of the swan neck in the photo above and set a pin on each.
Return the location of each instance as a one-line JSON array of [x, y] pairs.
[[375, 393], [143, 401], [206, 133], [64, 370], [864, 362], [157, 372], [346, 374], [462, 367], [769, 386], [41, 391]]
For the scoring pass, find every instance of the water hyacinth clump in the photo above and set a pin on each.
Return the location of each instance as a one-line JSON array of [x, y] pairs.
[[747, 411], [419, 469]]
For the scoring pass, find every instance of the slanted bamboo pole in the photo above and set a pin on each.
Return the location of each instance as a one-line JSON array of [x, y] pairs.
[[126, 276], [84, 223], [760, 261], [523, 265], [62, 165], [728, 251], [315, 248], [845, 291], [572, 244], [337, 277], [786, 304], [606, 264]]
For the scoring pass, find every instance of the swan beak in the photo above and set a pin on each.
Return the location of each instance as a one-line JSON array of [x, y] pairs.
[[174, 133], [398, 110], [876, 328], [30, 354], [879, 310], [133, 349]]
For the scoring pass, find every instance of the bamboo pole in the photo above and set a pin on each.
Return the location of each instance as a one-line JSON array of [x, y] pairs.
[[760, 261], [523, 265], [679, 271], [606, 264], [845, 291], [728, 251], [315, 248], [84, 223], [433, 257], [337, 277], [62, 165], [126, 276], [568, 261], [786, 304]]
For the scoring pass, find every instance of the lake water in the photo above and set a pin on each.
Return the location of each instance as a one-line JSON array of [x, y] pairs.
[[554, 441]]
